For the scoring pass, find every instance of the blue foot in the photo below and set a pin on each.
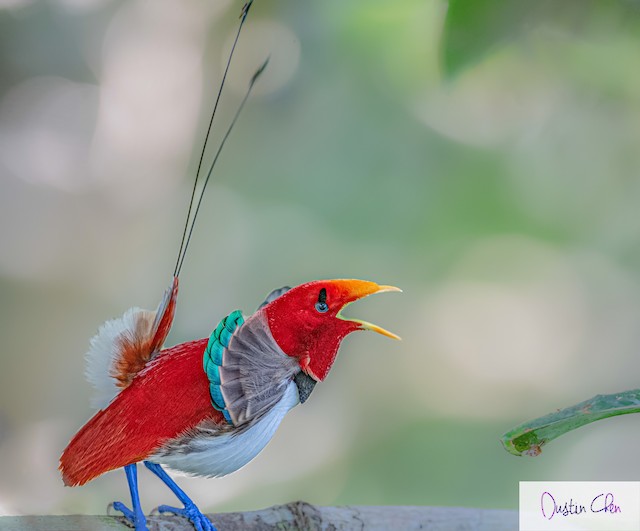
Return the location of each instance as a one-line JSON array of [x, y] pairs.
[[134, 517], [191, 513], [136, 520]]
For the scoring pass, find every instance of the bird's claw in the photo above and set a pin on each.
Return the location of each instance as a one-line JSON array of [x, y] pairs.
[[137, 521], [191, 513]]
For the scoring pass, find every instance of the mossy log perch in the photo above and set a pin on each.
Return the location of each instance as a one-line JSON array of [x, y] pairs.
[[293, 516]]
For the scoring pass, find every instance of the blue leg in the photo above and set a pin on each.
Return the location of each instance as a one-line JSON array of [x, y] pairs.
[[190, 511], [135, 517]]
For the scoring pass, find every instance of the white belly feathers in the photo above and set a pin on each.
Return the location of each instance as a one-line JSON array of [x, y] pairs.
[[211, 453]]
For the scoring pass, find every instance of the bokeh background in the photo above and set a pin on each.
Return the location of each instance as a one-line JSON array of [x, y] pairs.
[[482, 155]]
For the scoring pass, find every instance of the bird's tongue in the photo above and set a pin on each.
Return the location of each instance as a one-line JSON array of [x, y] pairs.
[[364, 325]]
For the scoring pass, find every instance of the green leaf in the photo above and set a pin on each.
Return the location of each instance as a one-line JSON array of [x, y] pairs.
[[472, 29], [475, 28], [530, 437]]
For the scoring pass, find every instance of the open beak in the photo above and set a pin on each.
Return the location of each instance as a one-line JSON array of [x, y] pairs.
[[358, 289]]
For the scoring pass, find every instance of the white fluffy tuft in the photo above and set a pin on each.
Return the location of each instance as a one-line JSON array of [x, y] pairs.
[[103, 352]]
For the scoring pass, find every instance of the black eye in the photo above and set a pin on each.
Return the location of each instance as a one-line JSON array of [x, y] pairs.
[[321, 305]]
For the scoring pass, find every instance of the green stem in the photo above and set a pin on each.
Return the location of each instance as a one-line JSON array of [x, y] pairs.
[[530, 437]]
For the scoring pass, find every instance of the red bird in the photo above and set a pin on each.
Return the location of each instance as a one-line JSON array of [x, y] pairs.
[[206, 407]]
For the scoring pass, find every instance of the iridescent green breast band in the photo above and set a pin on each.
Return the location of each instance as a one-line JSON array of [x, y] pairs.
[[213, 354]]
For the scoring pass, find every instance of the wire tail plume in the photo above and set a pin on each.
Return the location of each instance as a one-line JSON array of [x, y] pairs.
[[192, 212]]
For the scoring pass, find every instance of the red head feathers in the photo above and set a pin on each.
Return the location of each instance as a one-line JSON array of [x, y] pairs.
[[306, 321]]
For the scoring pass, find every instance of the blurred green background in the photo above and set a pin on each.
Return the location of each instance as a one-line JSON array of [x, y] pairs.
[[481, 155]]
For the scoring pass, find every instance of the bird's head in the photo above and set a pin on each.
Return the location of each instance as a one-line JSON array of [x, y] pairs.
[[307, 324]]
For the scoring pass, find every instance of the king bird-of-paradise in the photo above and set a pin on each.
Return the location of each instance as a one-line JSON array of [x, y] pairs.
[[206, 407]]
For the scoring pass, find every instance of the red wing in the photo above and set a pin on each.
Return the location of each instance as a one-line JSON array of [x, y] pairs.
[[166, 399]]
